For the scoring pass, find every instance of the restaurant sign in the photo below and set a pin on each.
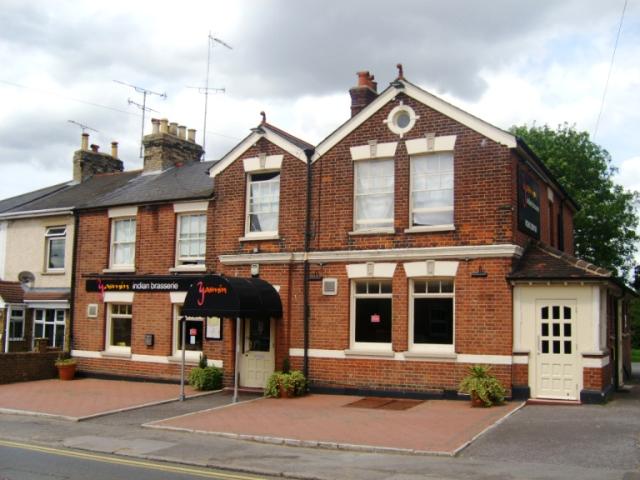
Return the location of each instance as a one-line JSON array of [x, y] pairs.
[[528, 204], [140, 284]]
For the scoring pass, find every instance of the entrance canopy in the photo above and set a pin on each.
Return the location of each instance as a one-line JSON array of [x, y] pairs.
[[214, 295]]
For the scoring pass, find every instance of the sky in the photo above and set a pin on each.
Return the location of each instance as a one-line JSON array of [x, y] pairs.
[[508, 62]]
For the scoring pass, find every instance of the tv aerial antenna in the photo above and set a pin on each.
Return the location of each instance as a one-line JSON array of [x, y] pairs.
[[143, 107], [82, 126], [206, 89]]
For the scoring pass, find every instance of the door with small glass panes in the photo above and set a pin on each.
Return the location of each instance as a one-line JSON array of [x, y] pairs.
[[556, 350]]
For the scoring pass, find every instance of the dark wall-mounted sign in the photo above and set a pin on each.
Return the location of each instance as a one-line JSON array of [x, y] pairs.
[[140, 284], [528, 204]]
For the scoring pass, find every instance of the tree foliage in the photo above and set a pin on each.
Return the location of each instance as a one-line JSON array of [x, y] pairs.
[[605, 226]]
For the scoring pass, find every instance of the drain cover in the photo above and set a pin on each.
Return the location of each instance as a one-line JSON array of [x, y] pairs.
[[384, 403]]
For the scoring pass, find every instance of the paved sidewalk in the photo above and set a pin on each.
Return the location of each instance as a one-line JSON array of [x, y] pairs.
[[441, 427], [84, 398]]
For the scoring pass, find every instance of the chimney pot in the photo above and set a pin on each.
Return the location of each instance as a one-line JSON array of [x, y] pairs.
[[84, 142], [114, 149], [191, 135], [364, 92], [164, 125], [95, 148], [173, 128], [155, 125], [182, 132]]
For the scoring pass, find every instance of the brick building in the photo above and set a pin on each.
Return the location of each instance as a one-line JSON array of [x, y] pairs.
[[414, 241]]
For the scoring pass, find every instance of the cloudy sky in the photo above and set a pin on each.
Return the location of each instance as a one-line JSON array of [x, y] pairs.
[[509, 62]]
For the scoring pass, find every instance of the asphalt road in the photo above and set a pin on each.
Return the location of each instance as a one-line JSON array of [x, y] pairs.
[[30, 462]]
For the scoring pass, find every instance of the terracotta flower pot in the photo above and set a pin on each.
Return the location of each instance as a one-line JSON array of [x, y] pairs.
[[284, 393], [476, 401], [66, 372]]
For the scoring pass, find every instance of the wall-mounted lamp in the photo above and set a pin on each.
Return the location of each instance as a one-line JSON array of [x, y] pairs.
[[480, 273]]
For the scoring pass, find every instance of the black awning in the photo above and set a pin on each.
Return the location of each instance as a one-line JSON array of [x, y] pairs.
[[214, 295]]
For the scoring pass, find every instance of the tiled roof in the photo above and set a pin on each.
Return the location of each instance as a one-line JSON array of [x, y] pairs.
[[542, 262], [295, 140], [189, 181], [47, 294], [11, 292]]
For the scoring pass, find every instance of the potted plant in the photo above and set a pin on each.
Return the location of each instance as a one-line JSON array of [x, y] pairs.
[[484, 389], [285, 385], [66, 367]]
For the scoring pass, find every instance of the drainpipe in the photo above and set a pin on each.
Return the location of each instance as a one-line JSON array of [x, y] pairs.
[[72, 292], [307, 240]]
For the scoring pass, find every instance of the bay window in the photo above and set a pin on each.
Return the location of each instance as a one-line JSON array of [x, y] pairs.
[[50, 324], [16, 324]]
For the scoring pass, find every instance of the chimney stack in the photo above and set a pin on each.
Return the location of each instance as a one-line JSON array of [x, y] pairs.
[[88, 161], [364, 93], [169, 145]]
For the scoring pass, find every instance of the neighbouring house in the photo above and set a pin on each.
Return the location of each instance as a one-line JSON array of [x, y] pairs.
[[414, 241], [37, 246]]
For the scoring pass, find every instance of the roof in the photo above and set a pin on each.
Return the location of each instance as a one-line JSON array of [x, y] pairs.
[[287, 142], [46, 294], [189, 181], [542, 262], [11, 292]]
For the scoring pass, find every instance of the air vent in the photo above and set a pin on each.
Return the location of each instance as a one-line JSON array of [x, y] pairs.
[[329, 286], [92, 310]]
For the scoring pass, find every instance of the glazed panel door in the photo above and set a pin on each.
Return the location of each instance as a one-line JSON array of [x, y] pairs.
[[258, 354], [556, 363]]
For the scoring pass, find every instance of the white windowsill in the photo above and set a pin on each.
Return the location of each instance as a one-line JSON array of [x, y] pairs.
[[119, 270], [369, 353], [253, 238], [374, 231], [16, 339], [189, 268], [116, 353], [53, 272], [431, 355], [431, 228], [188, 359]]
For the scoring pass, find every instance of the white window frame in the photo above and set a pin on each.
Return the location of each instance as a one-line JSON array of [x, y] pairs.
[[192, 261], [189, 355], [358, 225], [51, 234], [423, 228], [56, 323], [247, 218], [109, 347], [112, 245], [434, 348], [11, 320], [368, 346]]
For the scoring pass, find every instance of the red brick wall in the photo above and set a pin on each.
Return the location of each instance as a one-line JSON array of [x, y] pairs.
[[597, 379], [520, 375], [27, 366]]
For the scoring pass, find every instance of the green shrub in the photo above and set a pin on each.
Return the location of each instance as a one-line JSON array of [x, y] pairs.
[[481, 384], [293, 382], [208, 378]]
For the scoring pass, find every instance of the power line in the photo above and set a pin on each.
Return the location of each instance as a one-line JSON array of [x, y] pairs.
[[613, 56]]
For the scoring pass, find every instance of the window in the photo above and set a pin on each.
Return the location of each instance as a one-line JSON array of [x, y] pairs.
[[263, 203], [192, 233], [401, 119], [371, 314], [119, 327], [432, 189], [16, 324], [432, 312], [55, 244], [374, 182], [194, 338], [50, 324], [123, 242]]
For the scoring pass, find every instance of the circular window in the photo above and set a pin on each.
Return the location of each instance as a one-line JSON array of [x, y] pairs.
[[401, 119]]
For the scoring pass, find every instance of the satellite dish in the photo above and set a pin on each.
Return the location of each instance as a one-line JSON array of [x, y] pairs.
[[26, 278]]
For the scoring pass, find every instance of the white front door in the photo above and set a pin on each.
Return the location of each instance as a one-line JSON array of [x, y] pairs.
[[556, 351], [258, 354]]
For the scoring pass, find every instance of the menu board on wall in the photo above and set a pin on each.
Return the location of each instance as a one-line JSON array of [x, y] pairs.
[[528, 204]]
